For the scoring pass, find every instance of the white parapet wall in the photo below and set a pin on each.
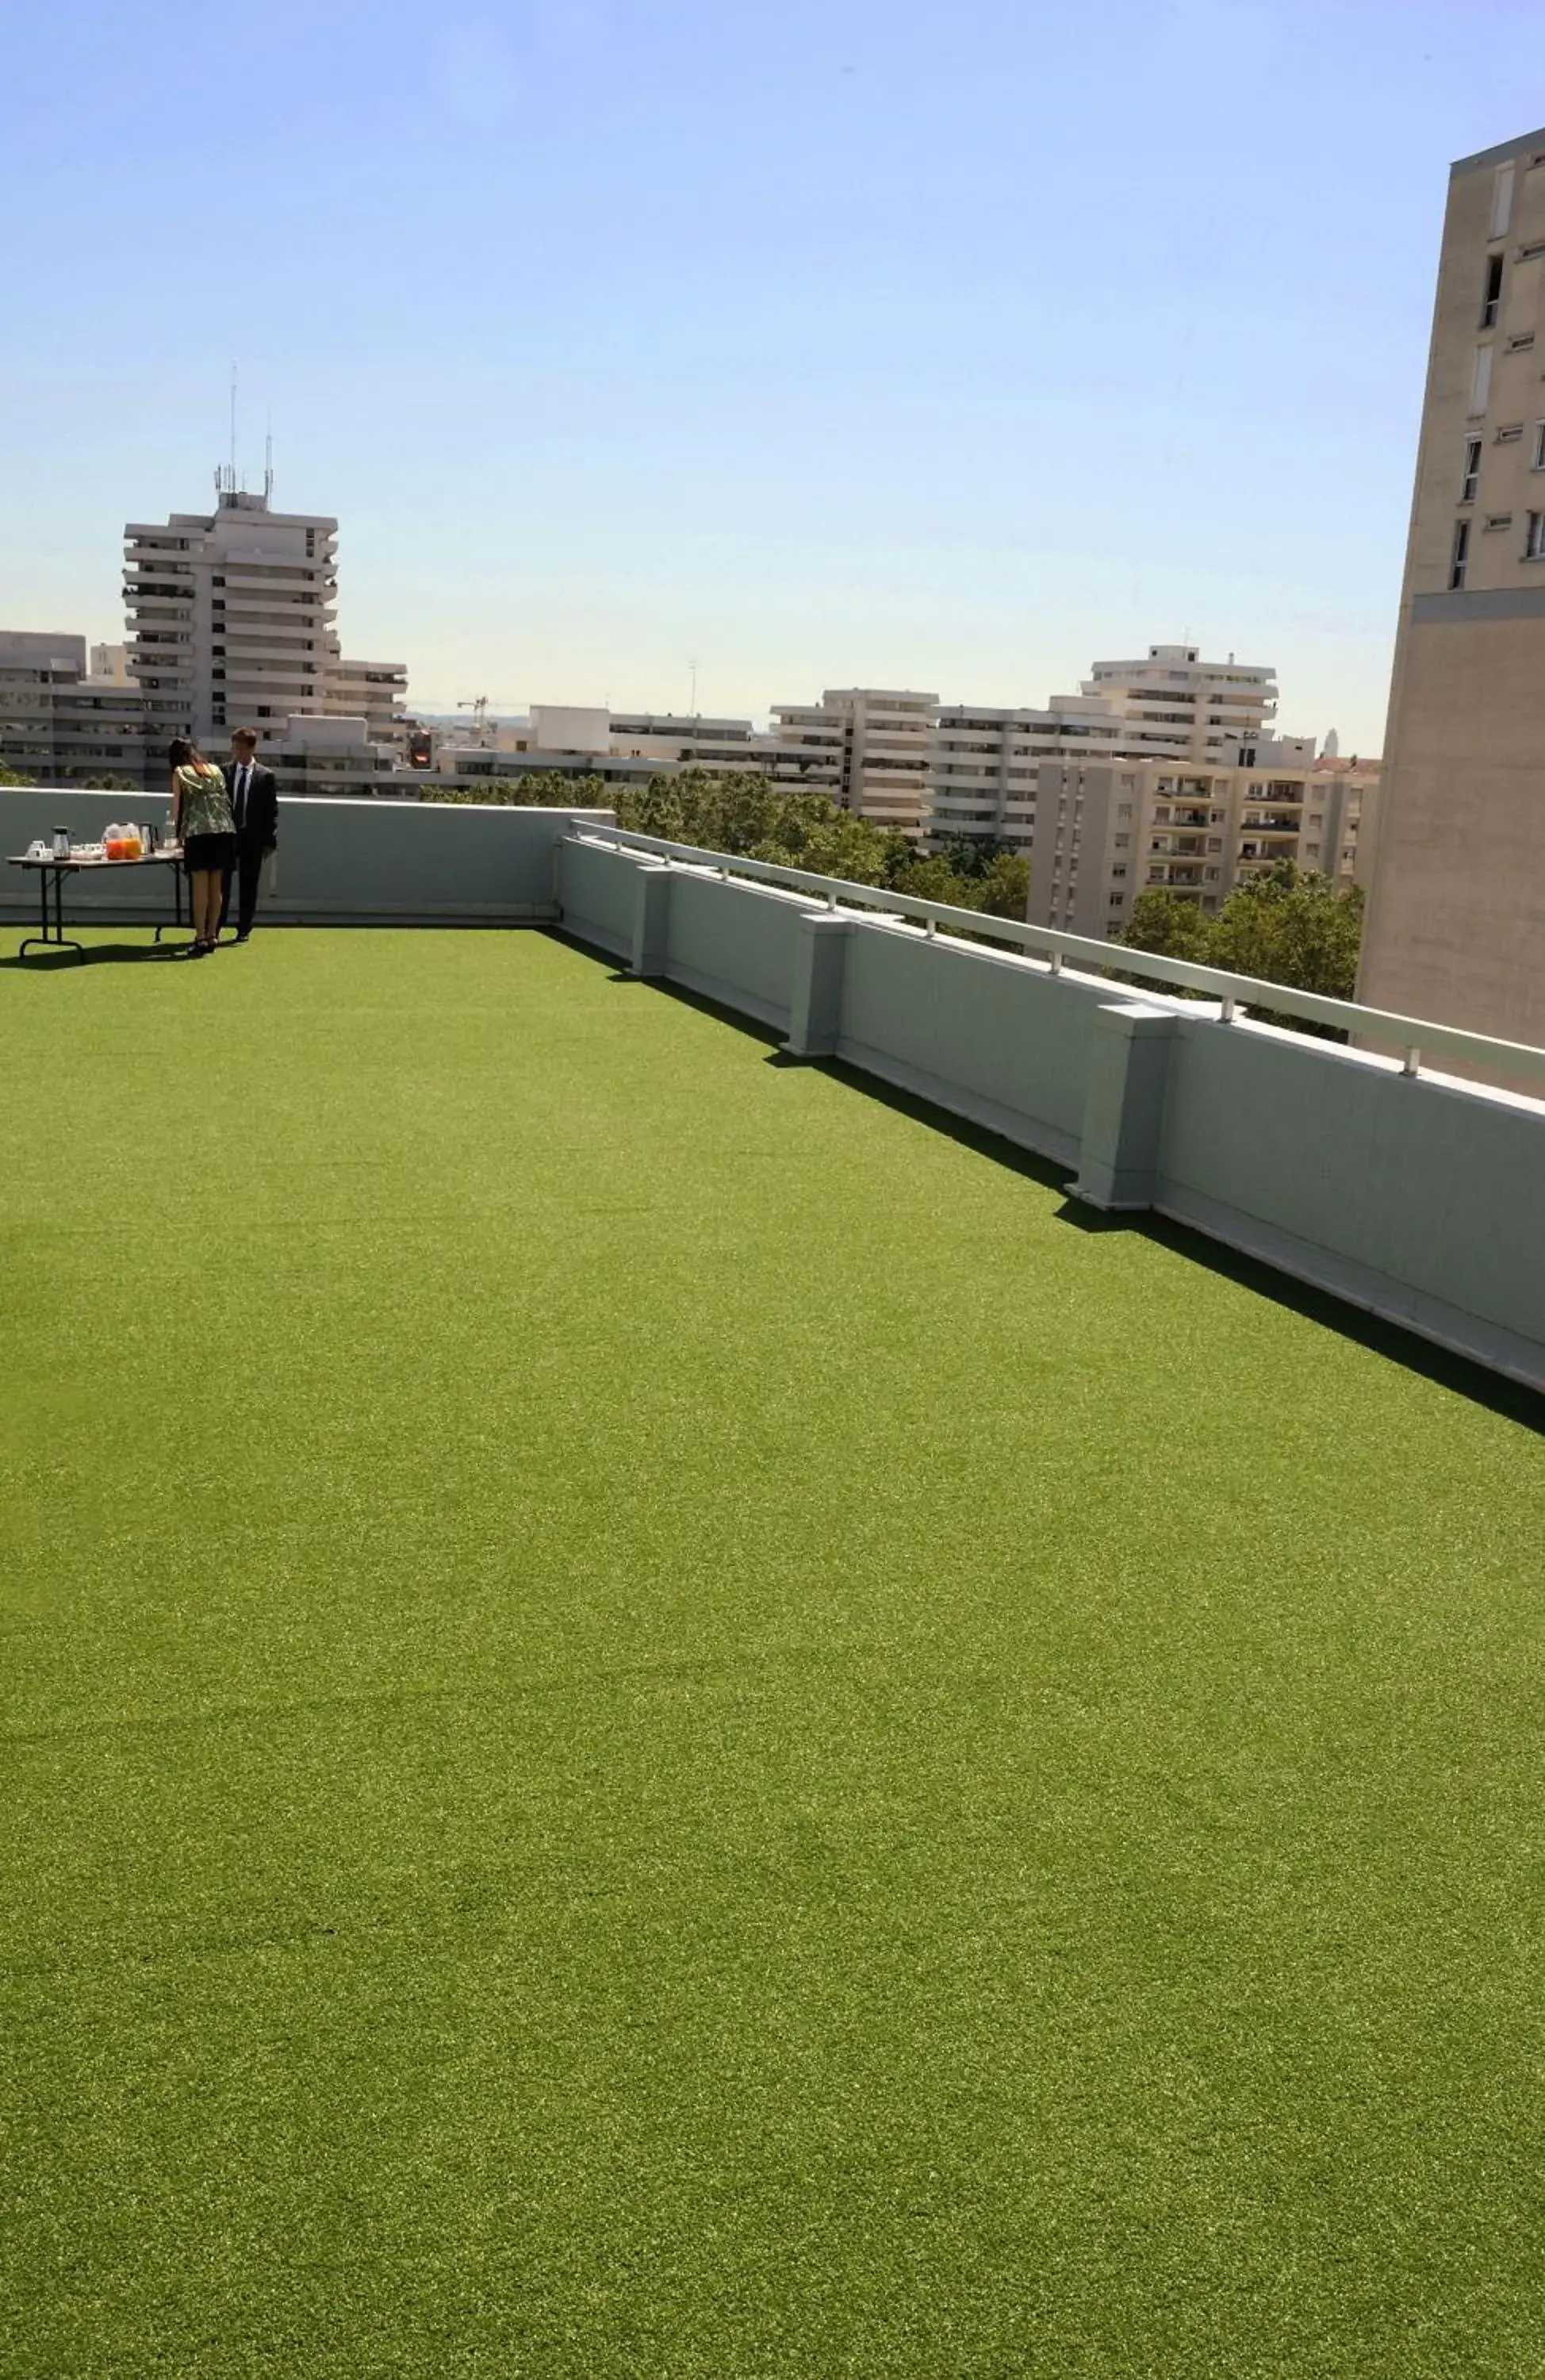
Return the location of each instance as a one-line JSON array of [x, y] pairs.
[[1412, 1193], [338, 862]]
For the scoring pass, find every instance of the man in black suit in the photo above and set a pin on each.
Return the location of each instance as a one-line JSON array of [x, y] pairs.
[[254, 794]]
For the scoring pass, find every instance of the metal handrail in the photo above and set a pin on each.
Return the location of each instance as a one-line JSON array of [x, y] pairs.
[[1410, 1034]]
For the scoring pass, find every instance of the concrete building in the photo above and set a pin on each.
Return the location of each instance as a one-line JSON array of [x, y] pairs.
[[1106, 831], [111, 662], [374, 691], [58, 725], [1176, 706], [33, 663], [231, 618], [1456, 916], [871, 748], [1172, 704]]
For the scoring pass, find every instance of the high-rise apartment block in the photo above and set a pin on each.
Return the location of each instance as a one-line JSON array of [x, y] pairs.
[[870, 747], [1456, 912], [59, 724], [1108, 832], [231, 619], [1171, 704]]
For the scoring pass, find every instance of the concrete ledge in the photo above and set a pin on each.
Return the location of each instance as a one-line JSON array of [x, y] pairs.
[[1026, 1132], [1446, 1326]]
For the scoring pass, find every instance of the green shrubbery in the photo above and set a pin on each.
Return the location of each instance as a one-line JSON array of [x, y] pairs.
[[743, 813]]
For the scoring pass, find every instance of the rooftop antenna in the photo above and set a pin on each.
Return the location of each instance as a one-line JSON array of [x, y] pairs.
[[225, 474], [693, 666], [268, 460]]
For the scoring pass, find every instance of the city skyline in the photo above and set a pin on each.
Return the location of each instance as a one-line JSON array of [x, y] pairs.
[[916, 361]]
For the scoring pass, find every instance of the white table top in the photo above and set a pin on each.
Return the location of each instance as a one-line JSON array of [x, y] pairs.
[[92, 856]]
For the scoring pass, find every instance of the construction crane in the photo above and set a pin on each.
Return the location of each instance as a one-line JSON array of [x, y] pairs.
[[479, 706]]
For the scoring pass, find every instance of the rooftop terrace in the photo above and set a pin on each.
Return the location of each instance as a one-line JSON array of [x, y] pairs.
[[666, 1718]]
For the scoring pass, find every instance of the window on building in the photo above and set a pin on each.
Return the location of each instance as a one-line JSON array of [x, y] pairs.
[[1461, 552], [1120, 868], [1508, 432], [1124, 810], [1502, 202], [1492, 297], [1534, 538], [1498, 520], [1539, 459], [1480, 382], [1212, 874], [1116, 899], [1469, 477], [1519, 341]]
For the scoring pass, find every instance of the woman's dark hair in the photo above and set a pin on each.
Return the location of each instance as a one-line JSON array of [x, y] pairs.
[[179, 752]]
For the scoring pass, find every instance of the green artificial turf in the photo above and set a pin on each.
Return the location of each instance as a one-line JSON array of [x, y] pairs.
[[659, 1724]]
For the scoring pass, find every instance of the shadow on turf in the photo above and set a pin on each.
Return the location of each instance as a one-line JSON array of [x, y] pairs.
[[1510, 1398], [114, 953]]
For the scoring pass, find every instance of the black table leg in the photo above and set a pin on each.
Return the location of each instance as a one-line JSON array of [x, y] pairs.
[[56, 939], [53, 931], [176, 868]]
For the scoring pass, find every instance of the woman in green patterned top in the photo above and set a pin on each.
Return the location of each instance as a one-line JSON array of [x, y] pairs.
[[203, 824]]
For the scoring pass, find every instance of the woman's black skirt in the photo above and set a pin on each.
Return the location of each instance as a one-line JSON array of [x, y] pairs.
[[205, 852]]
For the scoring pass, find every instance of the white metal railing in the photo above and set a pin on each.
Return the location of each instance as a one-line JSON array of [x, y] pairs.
[[1412, 1036]]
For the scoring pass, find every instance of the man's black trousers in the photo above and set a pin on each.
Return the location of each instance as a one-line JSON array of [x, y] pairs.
[[247, 872]]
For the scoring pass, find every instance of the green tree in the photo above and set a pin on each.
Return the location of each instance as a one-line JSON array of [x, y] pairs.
[[111, 783], [934, 879], [1169, 926], [12, 776], [543, 789], [1291, 926], [1003, 886]]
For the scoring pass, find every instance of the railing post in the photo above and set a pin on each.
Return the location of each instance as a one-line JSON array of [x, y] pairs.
[[1412, 1063]]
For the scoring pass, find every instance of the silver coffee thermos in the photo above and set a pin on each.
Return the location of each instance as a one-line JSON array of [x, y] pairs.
[[61, 843]]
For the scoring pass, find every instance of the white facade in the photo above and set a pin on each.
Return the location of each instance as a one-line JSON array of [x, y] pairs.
[[374, 691], [870, 747], [57, 725], [1176, 706], [1172, 705], [231, 619], [111, 662]]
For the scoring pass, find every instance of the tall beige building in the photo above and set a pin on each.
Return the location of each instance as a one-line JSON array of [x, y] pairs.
[[1457, 914], [1106, 831], [871, 748]]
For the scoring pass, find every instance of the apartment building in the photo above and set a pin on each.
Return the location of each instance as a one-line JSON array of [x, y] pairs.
[[1171, 704], [1457, 914], [58, 724], [1108, 832], [871, 748], [373, 691], [1176, 706], [231, 618]]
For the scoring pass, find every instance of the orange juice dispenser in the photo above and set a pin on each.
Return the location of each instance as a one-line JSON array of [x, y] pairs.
[[112, 843]]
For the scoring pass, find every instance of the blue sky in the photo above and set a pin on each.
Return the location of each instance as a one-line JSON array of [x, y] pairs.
[[820, 343]]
